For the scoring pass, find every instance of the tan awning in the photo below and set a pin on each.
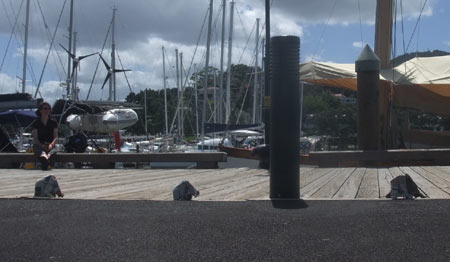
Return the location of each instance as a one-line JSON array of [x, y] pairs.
[[432, 73], [420, 83]]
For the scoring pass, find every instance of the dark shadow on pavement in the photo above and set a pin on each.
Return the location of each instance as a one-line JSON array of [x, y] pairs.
[[289, 203]]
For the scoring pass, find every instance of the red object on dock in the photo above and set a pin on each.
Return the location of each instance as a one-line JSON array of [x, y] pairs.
[[117, 140]]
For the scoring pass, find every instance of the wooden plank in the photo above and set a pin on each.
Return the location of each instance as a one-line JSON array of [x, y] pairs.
[[445, 169], [113, 190], [230, 191], [429, 188], [351, 186], [96, 182], [396, 171], [162, 190], [384, 182], [258, 191], [309, 189], [96, 178], [305, 169], [144, 190], [106, 160], [333, 185], [20, 183], [207, 182], [31, 178], [218, 191], [441, 172], [28, 184], [200, 183], [427, 137], [403, 157], [312, 175], [435, 180], [369, 185], [125, 186]]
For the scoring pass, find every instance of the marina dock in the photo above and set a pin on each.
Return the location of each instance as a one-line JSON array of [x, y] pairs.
[[225, 184]]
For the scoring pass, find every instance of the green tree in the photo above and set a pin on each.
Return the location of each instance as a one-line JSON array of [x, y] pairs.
[[241, 90], [325, 114]]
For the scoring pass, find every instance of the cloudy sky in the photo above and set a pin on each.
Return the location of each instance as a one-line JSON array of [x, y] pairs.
[[330, 30]]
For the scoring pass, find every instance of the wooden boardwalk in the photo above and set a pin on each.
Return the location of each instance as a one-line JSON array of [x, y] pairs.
[[231, 184]]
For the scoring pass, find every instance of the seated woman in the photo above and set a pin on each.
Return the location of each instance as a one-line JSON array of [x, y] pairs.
[[45, 134]]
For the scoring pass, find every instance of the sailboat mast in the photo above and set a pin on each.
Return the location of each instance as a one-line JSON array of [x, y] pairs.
[[25, 48], [181, 97], [261, 85], [255, 79], [145, 113], [205, 86], [69, 61], [165, 92], [196, 100], [74, 78], [178, 92], [230, 47], [383, 32], [222, 43], [112, 82], [383, 42], [214, 115]]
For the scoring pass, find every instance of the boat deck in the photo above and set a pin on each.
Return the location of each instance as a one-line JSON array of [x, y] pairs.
[[229, 184]]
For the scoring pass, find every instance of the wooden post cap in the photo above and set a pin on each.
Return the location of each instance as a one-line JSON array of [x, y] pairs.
[[367, 61]]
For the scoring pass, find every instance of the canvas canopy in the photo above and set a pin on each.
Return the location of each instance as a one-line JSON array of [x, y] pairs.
[[18, 117], [422, 82], [432, 73]]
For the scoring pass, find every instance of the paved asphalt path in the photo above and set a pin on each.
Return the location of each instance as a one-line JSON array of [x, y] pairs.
[[84, 230]]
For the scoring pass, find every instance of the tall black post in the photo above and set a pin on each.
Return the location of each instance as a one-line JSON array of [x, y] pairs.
[[285, 118], [266, 108]]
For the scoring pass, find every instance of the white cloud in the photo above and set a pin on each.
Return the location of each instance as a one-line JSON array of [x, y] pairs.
[[359, 44], [447, 43], [286, 26], [50, 91], [8, 84]]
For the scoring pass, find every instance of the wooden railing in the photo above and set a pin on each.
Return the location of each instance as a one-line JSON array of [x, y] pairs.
[[108, 160], [398, 157]]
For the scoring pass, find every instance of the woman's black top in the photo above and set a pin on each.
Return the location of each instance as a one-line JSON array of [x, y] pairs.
[[45, 132]]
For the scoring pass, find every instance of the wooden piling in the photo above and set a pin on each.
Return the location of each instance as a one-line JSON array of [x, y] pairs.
[[367, 67]]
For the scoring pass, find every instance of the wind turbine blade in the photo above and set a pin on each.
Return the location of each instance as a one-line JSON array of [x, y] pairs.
[[84, 56], [71, 55], [104, 62], [121, 70], [106, 80], [74, 66]]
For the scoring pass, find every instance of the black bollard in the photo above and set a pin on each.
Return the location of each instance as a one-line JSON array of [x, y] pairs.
[[285, 118], [367, 67]]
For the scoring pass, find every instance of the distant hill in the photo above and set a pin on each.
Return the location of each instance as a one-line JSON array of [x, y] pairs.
[[405, 57]]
